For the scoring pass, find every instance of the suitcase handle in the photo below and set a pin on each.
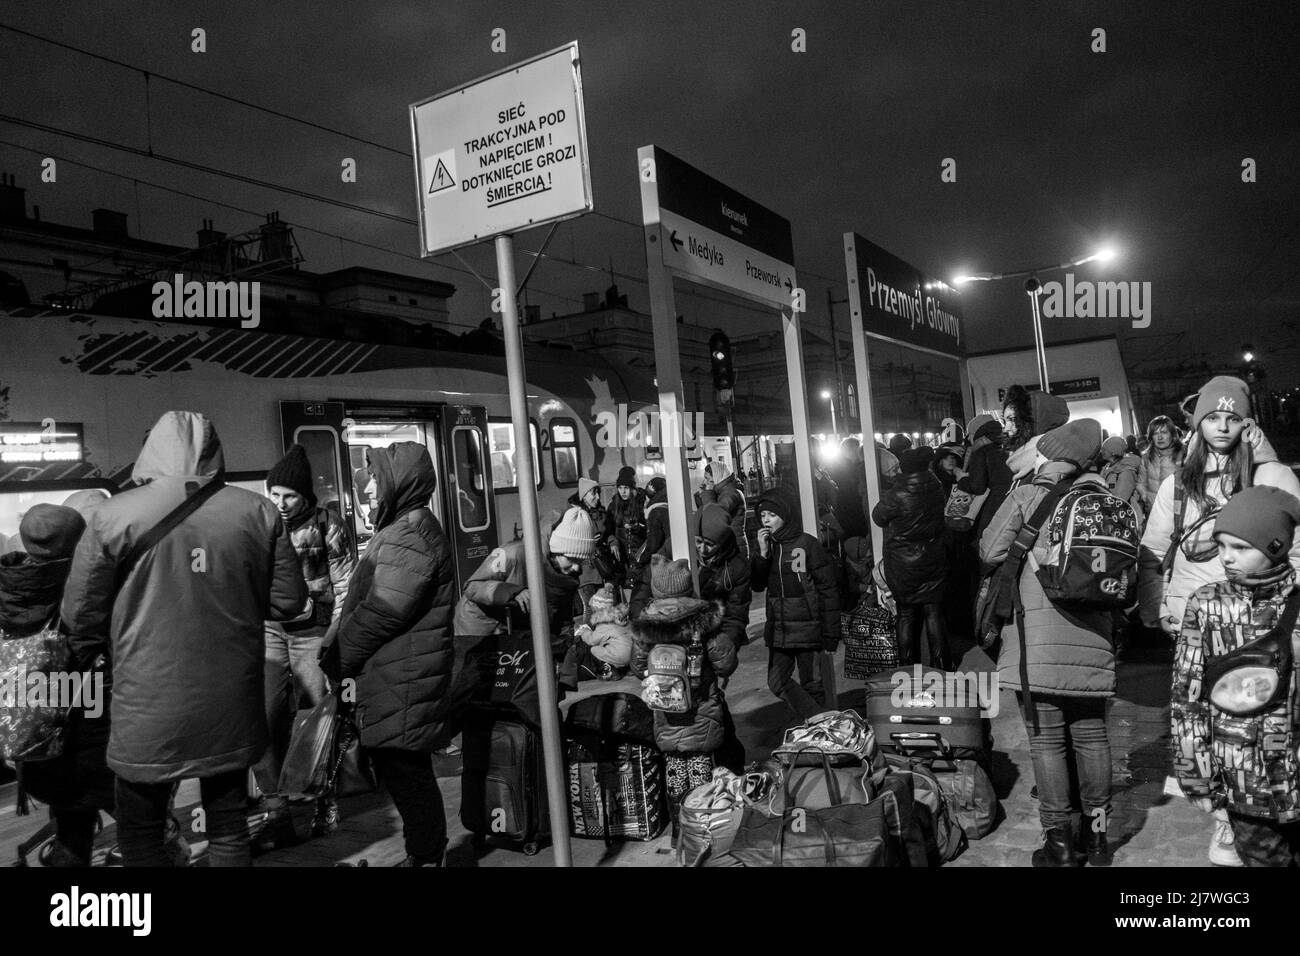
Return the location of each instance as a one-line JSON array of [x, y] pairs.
[[927, 719], [918, 740]]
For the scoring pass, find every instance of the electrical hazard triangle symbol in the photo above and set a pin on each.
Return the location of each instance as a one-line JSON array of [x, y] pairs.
[[441, 179]]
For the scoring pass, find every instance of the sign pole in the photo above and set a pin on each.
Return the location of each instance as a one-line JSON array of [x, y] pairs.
[[799, 416], [866, 407], [556, 785]]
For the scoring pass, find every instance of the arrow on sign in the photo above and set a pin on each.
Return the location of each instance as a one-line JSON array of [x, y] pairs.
[[789, 285], [677, 243]]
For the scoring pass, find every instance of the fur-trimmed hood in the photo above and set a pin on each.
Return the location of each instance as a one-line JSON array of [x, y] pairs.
[[679, 620]]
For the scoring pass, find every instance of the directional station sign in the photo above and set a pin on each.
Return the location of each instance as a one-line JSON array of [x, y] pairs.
[[711, 233], [503, 153]]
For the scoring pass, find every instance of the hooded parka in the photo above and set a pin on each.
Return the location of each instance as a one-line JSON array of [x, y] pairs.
[[911, 512], [185, 628]]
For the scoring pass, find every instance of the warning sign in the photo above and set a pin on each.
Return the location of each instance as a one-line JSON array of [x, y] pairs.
[[503, 153], [440, 172]]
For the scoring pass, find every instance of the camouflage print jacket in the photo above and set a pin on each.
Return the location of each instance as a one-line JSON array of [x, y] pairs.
[[1248, 764]]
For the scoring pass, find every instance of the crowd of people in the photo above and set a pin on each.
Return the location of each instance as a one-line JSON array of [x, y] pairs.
[[287, 614]]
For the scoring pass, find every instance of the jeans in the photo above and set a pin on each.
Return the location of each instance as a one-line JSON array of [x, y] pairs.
[[1070, 727], [142, 820], [1265, 843], [410, 781], [910, 619], [291, 669], [798, 695]]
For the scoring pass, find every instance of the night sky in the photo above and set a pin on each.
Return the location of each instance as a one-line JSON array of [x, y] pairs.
[[1058, 149]]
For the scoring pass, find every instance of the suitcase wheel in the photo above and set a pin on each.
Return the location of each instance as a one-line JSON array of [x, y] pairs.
[[531, 848]]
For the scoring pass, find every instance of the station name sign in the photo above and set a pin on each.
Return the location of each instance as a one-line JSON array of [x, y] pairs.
[[712, 233], [503, 153], [895, 300]]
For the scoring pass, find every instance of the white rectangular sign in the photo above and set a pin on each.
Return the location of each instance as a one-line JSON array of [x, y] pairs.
[[692, 249], [503, 153]]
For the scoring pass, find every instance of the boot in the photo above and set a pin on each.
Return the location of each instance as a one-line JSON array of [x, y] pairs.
[[1056, 849], [1091, 844]]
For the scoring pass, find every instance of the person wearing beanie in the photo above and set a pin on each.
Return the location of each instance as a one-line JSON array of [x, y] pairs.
[[690, 741], [627, 518], [1226, 454], [986, 472], [658, 532], [77, 784], [608, 637], [575, 537], [724, 488], [601, 566], [915, 557], [1120, 471], [803, 602], [1069, 662], [899, 444], [1234, 751], [321, 541]]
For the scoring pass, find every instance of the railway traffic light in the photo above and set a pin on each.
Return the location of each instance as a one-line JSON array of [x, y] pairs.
[[724, 376]]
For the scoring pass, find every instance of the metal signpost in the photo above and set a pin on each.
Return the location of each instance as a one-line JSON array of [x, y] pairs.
[[500, 154], [892, 301]]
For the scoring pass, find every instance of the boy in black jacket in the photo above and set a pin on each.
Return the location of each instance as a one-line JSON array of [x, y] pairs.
[[803, 602]]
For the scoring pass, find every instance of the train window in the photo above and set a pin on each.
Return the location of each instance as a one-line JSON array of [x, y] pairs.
[[360, 436], [471, 490], [18, 497], [501, 446], [326, 469], [565, 464]]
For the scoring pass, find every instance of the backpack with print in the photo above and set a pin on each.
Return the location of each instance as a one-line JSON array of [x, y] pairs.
[[667, 685], [1092, 551]]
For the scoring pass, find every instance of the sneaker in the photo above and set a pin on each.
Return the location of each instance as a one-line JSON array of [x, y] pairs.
[[326, 820], [1222, 849]]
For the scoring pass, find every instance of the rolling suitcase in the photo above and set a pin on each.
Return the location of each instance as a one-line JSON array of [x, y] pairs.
[[916, 709], [503, 783]]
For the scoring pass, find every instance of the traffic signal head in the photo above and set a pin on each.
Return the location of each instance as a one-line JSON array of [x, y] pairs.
[[724, 376]]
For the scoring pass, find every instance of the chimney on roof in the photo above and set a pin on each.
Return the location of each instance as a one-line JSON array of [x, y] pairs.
[[613, 300], [13, 201], [109, 223], [208, 236], [277, 239]]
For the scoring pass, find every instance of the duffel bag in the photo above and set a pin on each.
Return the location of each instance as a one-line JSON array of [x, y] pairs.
[[709, 818], [815, 781], [970, 793], [944, 837]]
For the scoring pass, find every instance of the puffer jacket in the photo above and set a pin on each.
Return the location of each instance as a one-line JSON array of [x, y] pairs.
[[482, 608], [628, 519], [1153, 469], [681, 621], [911, 512], [1121, 477], [320, 539], [730, 495], [1159, 599], [1248, 764], [659, 538], [803, 600], [394, 635], [986, 470], [30, 592], [186, 644], [1070, 653]]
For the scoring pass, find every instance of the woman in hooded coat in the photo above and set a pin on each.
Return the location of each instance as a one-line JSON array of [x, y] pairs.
[[394, 638]]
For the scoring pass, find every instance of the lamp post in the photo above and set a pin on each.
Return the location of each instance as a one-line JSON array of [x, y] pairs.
[[831, 399], [1034, 289]]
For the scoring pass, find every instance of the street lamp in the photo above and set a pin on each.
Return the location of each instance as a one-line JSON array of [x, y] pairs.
[[830, 398], [1034, 289]]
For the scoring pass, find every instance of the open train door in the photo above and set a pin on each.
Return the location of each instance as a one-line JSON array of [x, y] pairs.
[[467, 488], [319, 428]]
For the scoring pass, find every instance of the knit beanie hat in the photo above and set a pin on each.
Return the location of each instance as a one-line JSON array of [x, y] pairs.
[[715, 525], [1077, 441], [670, 579], [975, 424], [293, 471], [1049, 411], [915, 460], [657, 487], [899, 444], [610, 636], [1223, 393], [585, 485], [626, 477], [1264, 516], [1114, 445], [575, 536], [51, 532], [776, 503]]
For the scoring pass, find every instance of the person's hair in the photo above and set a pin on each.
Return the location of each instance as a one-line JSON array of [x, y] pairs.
[[1162, 421], [1239, 463], [1018, 398]]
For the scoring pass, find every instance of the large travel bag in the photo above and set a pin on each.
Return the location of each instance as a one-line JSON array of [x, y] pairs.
[[617, 785], [945, 837], [921, 707], [503, 783]]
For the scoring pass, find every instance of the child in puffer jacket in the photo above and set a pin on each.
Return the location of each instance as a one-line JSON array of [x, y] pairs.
[[605, 645], [688, 740], [803, 603], [1235, 733]]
